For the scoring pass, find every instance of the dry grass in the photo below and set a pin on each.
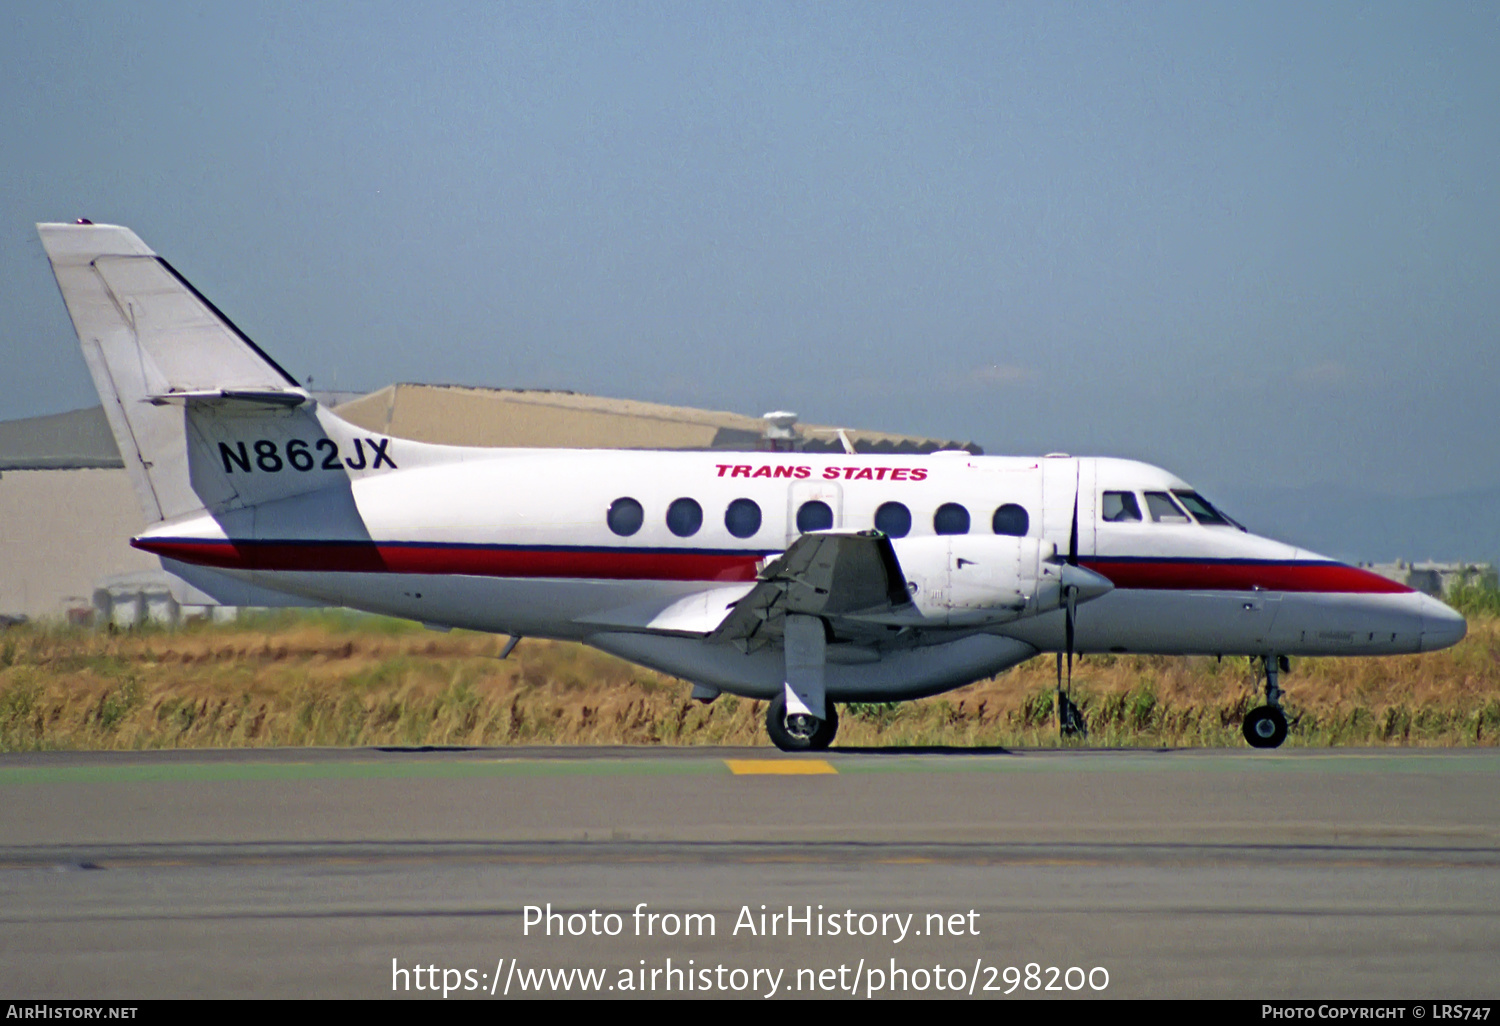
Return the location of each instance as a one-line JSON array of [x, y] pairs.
[[338, 679]]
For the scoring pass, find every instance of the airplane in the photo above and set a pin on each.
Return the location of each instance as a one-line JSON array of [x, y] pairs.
[[802, 580]]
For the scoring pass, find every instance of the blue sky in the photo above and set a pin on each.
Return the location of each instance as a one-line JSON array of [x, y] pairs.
[[1254, 243]]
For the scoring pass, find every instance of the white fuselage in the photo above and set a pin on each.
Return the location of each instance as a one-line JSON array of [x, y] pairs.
[[519, 541]]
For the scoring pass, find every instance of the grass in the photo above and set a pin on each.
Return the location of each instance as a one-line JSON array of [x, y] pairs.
[[336, 678], [1475, 595]]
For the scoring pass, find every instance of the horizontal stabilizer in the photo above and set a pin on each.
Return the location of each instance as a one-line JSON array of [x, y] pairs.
[[226, 396]]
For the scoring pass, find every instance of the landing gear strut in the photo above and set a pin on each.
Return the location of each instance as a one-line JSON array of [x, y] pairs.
[[1265, 727], [800, 732]]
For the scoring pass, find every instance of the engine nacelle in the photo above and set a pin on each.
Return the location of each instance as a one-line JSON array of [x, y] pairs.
[[964, 580]]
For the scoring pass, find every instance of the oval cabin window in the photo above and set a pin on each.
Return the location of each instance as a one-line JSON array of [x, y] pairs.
[[894, 519], [625, 517], [950, 518], [742, 518], [684, 517], [815, 515], [1011, 519]]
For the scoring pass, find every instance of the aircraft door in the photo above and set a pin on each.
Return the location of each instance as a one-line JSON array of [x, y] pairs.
[[1063, 481], [1088, 506], [803, 493]]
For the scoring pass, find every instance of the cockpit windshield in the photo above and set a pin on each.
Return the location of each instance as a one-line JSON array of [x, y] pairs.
[[1163, 510], [1203, 510], [1179, 506]]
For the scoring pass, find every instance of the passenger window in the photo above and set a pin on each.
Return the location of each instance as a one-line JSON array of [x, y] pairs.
[[1199, 507], [742, 518], [1121, 508], [893, 519], [1012, 520], [1164, 510], [950, 518], [815, 515], [684, 517], [625, 517]]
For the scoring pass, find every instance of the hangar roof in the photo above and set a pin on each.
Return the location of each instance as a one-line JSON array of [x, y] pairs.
[[458, 415], [59, 441]]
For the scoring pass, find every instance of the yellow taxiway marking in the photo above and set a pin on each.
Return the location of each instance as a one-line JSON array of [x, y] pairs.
[[779, 767]]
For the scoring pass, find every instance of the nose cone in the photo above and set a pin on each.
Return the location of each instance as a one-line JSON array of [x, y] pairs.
[[1442, 626]]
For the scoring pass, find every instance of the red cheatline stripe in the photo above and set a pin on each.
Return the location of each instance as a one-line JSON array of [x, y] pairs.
[[628, 564], [1182, 575], [370, 557]]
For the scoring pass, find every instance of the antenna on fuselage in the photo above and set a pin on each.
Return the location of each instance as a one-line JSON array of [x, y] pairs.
[[781, 430]]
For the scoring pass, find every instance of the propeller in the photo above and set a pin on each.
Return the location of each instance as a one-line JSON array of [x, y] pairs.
[[1069, 716]]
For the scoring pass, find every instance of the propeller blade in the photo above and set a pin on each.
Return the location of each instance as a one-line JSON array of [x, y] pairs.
[[1070, 603], [1073, 534], [1062, 723], [1068, 721], [1069, 623]]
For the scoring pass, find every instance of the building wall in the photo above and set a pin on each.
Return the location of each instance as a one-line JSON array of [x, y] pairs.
[[1435, 579], [61, 533]]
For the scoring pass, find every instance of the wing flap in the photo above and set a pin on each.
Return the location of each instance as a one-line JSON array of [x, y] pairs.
[[839, 576]]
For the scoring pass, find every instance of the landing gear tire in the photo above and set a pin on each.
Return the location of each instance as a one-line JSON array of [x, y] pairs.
[[800, 733], [1265, 727]]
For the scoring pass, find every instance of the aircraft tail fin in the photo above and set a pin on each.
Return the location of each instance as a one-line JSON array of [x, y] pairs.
[[165, 362]]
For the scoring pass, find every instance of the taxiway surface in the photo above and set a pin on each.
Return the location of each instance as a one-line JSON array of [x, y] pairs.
[[1359, 874]]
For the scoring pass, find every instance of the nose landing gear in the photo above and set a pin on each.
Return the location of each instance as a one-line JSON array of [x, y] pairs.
[[1265, 727]]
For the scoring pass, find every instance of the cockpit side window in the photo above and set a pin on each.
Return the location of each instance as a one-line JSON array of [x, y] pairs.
[[1121, 508], [1200, 507], [1164, 510]]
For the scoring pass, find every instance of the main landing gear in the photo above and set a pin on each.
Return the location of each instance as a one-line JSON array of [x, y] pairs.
[[801, 718], [800, 732], [1265, 727]]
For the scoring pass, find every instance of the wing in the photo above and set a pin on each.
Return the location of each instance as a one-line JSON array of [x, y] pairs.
[[694, 615], [842, 577]]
